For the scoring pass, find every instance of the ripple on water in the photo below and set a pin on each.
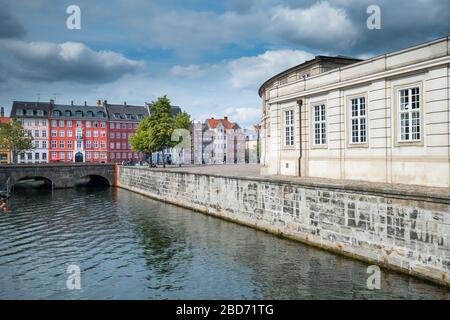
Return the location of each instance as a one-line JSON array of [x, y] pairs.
[[131, 247]]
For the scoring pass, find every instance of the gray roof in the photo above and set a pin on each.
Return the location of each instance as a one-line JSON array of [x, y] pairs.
[[34, 106], [79, 112], [118, 112]]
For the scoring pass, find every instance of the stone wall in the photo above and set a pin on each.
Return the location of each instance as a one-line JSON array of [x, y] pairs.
[[407, 235]]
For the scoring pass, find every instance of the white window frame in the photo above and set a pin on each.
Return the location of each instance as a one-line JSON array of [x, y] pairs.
[[358, 120], [289, 128], [406, 110], [319, 124]]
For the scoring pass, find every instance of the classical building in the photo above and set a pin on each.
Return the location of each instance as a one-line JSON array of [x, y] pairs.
[[34, 118], [218, 141], [385, 119]]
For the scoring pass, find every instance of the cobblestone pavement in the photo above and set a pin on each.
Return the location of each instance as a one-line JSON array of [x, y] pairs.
[[253, 171]]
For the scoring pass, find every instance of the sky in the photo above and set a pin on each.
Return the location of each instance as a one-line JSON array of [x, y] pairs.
[[208, 56]]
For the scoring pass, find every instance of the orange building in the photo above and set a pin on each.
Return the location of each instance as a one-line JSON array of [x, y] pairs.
[[5, 154]]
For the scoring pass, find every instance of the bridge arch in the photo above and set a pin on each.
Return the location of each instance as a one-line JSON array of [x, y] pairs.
[[93, 180], [32, 181]]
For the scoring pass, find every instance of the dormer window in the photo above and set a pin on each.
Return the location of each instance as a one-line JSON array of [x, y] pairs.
[[129, 116], [20, 112], [30, 112], [117, 115], [68, 113], [100, 114], [140, 116], [90, 114], [79, 114], [57, 113], [40, 113]]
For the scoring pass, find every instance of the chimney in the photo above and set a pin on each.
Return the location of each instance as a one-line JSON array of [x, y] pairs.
[[212, 118], [2, 112], [125, 103], [85, 103], [71, 103], [52, 102], [105, 103], [225, 118], [99, 103]]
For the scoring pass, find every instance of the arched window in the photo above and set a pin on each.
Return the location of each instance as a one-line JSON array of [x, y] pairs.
[[100, 114], [57, 113], [79, 114]]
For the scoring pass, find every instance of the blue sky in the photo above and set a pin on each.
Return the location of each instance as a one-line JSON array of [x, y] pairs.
[[209, 57]]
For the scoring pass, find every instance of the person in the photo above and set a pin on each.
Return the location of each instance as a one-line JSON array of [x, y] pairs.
[[3, 206]]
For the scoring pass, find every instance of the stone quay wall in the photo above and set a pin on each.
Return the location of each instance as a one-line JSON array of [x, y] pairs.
[[402, 233]]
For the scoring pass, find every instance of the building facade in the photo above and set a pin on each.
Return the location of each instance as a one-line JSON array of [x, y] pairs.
[[218, 141], [34, 119], [5, 153], [123, 122], [385, 119], [78, 134]]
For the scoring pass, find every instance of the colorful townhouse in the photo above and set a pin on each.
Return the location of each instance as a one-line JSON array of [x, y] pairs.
[[5, 153], [123, 122], [79, 134], [218, 141], [34, 118]]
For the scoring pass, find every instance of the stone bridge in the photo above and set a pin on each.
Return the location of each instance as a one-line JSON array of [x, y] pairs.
[[61, 176]]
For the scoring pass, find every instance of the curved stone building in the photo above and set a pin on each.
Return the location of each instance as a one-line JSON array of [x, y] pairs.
[[385, 119]]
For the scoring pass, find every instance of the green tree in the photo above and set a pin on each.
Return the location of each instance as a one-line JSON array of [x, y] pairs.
[[161, 125], [15, 139], [140, 141]]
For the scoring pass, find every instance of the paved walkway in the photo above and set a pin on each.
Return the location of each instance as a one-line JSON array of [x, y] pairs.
[[252, 171]]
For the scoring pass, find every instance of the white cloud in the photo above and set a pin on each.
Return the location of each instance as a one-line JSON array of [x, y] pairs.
[[246, 116], [68, 61], [191, 71], [317, 26], [251, 72]]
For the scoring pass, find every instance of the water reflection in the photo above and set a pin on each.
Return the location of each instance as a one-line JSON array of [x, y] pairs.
[[131, 247]]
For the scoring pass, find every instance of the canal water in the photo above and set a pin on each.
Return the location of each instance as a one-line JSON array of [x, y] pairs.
[[130, 247]]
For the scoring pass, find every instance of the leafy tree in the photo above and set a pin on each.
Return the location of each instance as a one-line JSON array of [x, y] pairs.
[[15, 139], [141, 141]]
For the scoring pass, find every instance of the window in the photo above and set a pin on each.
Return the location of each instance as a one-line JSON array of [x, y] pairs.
[[111, 125], [117, 135], [409, 114], [69, 155], [118, 145], [129, 126], [69, 133], [19, 112], [102, 124], [88, 155], [62, 155], [320, 135], [88, 144], [29, 156], [36, 156], [54, 123], [61, 144], [88, 134], [53, 144], [69, 144], [53, 155], [112, 155], [103, 145], [79, 144], [44, 144], [124, 135], [61, 134], [44, 133], [95, 134], [54, 134], [36, 144], [44, 123], [44, 156], [88, 124], [69, 123], [358, 120], [61, 124], [36, 133], [37, 123], [103, 133], [289, 128], [95, 155], [112, 135], [95, 144], [111, 145]]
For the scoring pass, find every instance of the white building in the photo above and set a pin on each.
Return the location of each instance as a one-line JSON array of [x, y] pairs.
[[34, 119], [385, 119]]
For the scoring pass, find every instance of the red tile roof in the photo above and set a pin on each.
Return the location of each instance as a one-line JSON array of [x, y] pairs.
[[5, 120], [212, 123]]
